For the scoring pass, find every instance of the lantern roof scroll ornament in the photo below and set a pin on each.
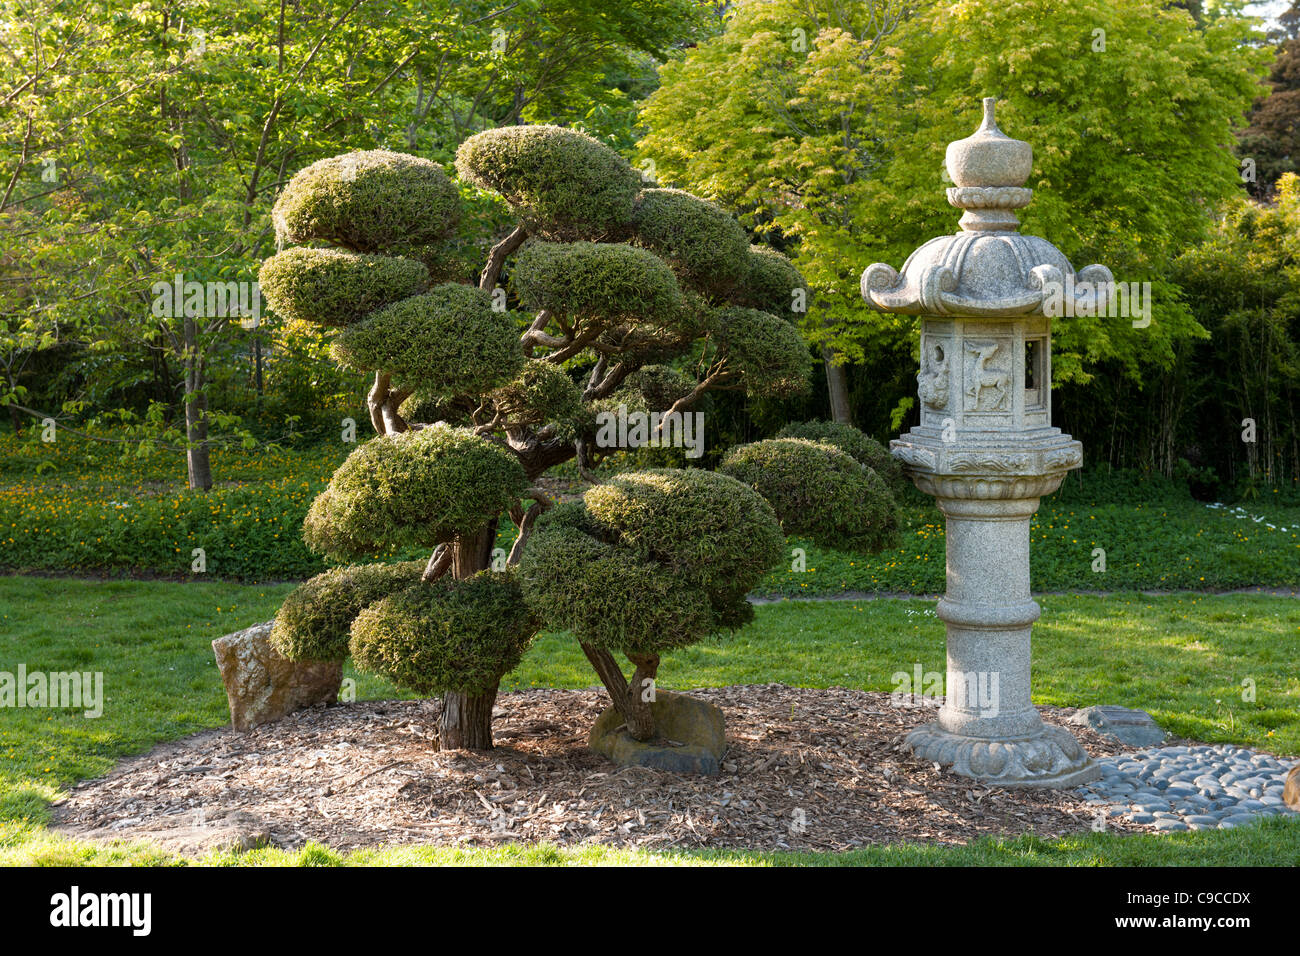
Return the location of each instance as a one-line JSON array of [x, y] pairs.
[[986, 450], [989, 268]]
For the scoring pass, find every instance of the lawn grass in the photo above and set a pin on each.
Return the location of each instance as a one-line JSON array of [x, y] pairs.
[[1274, 841], [1182, 657], [1167, 546]]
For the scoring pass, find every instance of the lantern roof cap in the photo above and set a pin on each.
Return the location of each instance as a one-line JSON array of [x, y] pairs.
[[988, 269]]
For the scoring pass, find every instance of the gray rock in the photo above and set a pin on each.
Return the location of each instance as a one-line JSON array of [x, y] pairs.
[[1171, 825], [1236, 820]]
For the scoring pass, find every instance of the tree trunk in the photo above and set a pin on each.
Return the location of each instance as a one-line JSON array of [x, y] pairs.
[[837, 387], [466, 722], [640, 719], [196, 412], [627, 698]]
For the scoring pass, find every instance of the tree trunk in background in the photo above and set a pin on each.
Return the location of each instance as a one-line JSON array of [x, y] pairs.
[[466, 722], [837, 387], [196, 412]]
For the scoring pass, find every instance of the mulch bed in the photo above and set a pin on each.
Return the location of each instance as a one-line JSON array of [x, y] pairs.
[[806, 770]]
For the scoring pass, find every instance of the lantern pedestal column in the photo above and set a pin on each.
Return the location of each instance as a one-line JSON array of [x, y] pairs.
[[988, 728]]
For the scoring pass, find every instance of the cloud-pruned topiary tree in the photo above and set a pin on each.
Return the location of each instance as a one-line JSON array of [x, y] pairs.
[[624, 294], [648, 562]]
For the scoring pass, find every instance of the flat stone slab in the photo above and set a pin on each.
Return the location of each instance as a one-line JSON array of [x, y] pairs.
[[692, 736], [197, 834], [1133, 727]]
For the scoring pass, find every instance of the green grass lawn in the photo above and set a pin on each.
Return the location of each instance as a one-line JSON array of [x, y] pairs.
[[1182, 657]]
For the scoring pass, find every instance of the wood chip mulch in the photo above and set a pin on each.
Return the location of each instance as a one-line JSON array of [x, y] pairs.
[[806, 770]]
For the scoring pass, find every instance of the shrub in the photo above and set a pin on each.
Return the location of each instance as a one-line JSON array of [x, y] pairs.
[[606, 281], [448, 341], [764, 353], [315, 621], [859, 446], [368, 201], [771, 282], [563, 184], [651, 560], [660, 386], [447, 635], [413, 488], [427, 407], [704, 243], [706, 527], [818, 491], [541, 392], [333, 287], [609, 596]]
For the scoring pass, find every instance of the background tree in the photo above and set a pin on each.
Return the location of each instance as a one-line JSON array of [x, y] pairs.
[[637, 299], [1244, 287], [1272, 139], [139, 142], [825, 126]]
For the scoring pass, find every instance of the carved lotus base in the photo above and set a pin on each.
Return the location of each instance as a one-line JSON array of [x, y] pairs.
[[1051, 758]]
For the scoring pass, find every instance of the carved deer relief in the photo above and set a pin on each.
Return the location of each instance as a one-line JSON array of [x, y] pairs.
[[979, 377]]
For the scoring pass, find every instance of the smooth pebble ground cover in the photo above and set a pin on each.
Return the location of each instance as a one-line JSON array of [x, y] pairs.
[[1204, 787]]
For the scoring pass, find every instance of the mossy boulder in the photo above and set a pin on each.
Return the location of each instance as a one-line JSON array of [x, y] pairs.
[[691, 737]]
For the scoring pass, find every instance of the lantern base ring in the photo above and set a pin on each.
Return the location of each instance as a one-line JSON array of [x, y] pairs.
[[1051, 758]]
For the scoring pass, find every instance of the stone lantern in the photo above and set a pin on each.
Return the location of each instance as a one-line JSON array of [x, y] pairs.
[[987, 451]]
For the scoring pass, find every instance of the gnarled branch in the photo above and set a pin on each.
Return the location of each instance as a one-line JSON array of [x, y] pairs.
[[497, 258], [526, 524], [439, 563]]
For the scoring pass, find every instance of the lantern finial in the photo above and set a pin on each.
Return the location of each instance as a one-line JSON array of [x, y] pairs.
[[989, 169]]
